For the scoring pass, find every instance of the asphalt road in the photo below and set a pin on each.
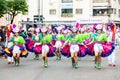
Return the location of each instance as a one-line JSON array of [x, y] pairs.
[[30, 69]]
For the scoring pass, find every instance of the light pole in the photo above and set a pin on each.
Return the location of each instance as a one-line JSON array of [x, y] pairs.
[[109, 10], [42, 12], [39, 10], [41, 7]]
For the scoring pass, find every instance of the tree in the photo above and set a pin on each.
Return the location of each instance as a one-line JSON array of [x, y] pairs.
[[14, 7], [3, 7]]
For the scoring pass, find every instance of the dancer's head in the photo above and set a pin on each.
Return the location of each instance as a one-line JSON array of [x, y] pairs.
[[16, 31], [99, 28]]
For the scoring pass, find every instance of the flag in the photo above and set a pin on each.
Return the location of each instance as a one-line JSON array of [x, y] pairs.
[[113, 28]]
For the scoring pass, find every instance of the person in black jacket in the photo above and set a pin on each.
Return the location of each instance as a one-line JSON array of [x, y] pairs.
[[3, 36]]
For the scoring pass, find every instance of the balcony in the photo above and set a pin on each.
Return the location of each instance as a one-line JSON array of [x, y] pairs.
[[67, 15], [101, 14]]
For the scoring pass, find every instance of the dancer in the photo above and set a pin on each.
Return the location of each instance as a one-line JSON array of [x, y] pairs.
[[18, 46], [98, 48], [46, 48], [37, 37], [29, 42], [9, 44], [59, 42], [72, 48], [112, 39]]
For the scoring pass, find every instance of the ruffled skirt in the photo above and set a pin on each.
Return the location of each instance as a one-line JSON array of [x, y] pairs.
[[46, 48], [29, 44], [106, 48], [68, 49], [21, 49]]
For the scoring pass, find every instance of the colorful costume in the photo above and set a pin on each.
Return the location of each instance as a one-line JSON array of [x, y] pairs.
[[100, 45], [47, 46], [29, 44], [16, 45], [111, 58], [59, 40], [37, 45], [74, 45]]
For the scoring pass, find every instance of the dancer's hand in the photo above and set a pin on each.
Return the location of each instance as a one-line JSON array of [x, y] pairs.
[[85, 46], [61, 47]]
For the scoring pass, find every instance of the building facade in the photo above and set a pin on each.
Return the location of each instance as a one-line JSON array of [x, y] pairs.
[[72, 10]]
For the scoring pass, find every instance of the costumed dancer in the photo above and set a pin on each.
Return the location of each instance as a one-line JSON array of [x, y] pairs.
[[73, 47], [8, 44], [29, 42], [59, 42], [113, 38], [37, 38], [16, 48], [81, 39], [101, 47], [47, 48]]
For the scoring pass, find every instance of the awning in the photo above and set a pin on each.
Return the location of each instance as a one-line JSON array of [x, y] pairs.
[[101, 7], [67, 5]]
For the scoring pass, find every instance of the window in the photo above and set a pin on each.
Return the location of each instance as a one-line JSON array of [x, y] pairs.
[[79, 11], [114, 11], [119, 13], [52, 12], [100, 12], [67, 1], [67, 13]]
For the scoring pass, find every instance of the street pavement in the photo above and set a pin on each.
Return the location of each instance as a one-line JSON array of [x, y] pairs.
[[30, 69]]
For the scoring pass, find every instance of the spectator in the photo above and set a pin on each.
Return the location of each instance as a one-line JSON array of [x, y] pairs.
[[3, 37]]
